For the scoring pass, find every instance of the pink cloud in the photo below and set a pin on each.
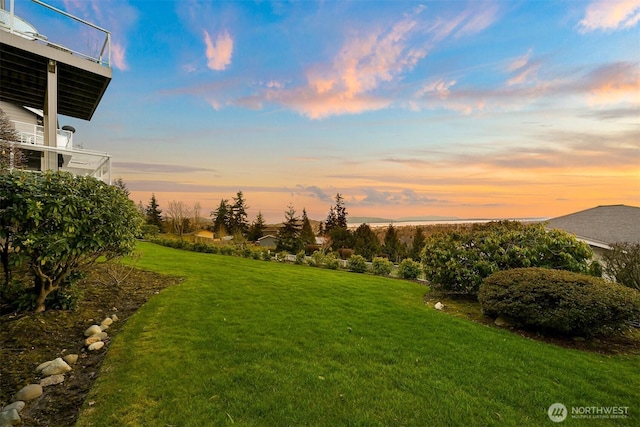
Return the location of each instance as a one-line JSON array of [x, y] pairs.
[[118, 56], [218, 53], [611, 15]]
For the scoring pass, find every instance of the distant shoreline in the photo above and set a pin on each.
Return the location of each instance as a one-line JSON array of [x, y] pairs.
[[403, 223]]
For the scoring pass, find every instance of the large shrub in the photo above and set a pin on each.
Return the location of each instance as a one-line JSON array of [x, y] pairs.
[[409, 269], [381, 266], [63, 223], [559, 301], [357, 264], [458, 261]]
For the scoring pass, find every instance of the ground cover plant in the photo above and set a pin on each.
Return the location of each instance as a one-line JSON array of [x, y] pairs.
[[246, 342]]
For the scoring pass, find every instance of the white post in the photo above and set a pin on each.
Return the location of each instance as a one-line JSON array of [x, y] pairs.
[[51, 118]]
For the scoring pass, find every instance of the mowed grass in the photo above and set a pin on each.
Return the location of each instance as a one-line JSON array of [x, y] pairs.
[[245, 342]]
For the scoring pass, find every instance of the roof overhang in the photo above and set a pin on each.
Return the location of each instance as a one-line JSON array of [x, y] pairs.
[[23, 76]]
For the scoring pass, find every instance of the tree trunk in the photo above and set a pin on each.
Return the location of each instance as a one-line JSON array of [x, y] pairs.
[[42, 289]]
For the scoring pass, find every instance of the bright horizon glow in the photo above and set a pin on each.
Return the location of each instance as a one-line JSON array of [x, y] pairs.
[[471, 109]]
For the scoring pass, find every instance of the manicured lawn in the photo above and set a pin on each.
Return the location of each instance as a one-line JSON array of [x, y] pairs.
[[250, 342]]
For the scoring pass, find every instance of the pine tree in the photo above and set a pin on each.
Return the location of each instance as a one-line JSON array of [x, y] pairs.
[[341, 212], [238, 215], [366, 242], [256, 230], [120, 184], [392, 246], [418, 243], [306, 234], [10, 155], [154, 213], [221, 218], [289, 234]]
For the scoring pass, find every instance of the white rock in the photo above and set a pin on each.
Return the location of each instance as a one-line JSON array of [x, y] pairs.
[[28, 392], [9, 418], [43, 365], [107, 321], [101, 335], [52, 380], [92, 339], [18, 406], [439, 305], [96, 346], [92, 330], [114, 317], [71, 359], [58, 366], [103, 327]]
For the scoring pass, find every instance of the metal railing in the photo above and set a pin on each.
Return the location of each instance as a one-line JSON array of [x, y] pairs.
[[34, 134], [16, 25]]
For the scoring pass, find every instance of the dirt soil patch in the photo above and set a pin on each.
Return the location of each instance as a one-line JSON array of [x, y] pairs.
[[28, 339]]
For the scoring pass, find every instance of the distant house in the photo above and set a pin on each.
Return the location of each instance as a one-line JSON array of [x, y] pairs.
[[602, 226], [268, 241]]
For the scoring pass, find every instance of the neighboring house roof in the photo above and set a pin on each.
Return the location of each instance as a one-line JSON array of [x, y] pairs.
[[603, 225], [268, 236]]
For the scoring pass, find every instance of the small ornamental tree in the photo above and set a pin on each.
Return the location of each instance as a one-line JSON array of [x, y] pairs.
[[63, 223]]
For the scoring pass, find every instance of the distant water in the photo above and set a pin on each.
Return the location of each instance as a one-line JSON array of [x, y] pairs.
[[441, 221]]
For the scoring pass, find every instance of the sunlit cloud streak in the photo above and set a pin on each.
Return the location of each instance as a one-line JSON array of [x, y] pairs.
[[155, 168], [610, 15], [218, 53]]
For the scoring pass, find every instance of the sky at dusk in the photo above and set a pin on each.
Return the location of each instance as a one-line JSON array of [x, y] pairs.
[[447, 108]]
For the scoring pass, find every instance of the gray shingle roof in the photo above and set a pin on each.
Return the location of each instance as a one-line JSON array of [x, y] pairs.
[[602, 224]]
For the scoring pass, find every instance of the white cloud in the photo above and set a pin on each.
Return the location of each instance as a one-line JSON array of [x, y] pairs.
[[218, 53], [611, 15]]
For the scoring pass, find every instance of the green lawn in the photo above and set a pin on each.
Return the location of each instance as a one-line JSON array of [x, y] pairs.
[[250, 342]]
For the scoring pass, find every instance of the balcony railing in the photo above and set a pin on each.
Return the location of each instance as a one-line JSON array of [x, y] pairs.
[[89, 37], [75, 160]]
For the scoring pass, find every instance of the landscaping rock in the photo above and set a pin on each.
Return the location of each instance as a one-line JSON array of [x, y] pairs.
[[107, 321], [52, 380], [92, 339], [71, 359], [96, 346], [9, 418], [92, 330], [43, 365], [57, 366], [28, 392], [18, 406], [114, 317], [439, 305], [503, 322], [101, 335]]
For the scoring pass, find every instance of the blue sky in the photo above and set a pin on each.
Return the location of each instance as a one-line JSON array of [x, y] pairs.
[[468, 109]]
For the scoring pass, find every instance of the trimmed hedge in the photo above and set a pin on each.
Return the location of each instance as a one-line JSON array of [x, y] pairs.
[[559, 301], [381, 266], [409, 269]]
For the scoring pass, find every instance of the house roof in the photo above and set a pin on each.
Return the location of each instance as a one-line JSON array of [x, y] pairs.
[[602, 225]]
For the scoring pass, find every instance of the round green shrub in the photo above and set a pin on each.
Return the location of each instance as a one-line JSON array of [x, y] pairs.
[[559, 301], [381, 266], [357, 264], [409, 269]]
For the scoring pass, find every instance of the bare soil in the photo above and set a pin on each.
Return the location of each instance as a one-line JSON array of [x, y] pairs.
[[28, 339]]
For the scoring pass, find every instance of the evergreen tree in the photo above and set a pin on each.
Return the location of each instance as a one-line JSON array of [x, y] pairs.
[[336, 225], [366, 242], [122, 186], [306, 235], [341, 212], [331, 221], [154, 213], [10, 156], [221, 218], [238, 215], [256, 230], [392, 246], [418, 243], [289, 234]]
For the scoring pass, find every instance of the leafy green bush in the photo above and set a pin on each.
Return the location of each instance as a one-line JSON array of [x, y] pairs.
[[226, 250], [409, 269], [149, 231], [381, 266], [622, 262], [331, 261], [357, 264], [559, 301], [300, 258], [457, 262], [266, 255]]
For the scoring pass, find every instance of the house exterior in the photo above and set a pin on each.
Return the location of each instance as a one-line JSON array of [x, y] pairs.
[[40, 79], [268, 241], [602, 226]]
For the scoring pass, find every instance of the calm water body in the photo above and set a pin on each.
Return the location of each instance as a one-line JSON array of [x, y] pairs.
[[438, 221]]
